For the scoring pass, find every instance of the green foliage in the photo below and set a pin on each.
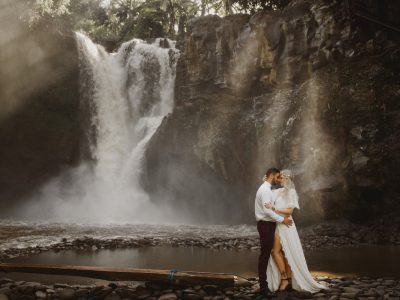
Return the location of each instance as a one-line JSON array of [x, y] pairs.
[[52, 14], [227, 7], [49, 8], [252, 6], [115, 21]]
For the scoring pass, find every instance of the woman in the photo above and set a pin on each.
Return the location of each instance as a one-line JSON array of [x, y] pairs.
[[288, 261]]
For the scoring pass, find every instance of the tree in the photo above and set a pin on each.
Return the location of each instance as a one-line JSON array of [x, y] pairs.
[[122, 20], [252, 6], [178, 12]]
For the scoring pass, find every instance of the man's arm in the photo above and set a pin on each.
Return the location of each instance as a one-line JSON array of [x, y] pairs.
[[267, 197], [273, 215]]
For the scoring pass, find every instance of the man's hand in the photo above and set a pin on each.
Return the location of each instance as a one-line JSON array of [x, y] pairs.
[[287, 222], [269, 206]]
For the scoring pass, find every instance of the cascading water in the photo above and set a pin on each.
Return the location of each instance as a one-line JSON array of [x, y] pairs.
[[128, 94]]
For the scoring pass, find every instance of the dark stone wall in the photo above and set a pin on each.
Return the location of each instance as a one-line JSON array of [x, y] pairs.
[[308, 89], [40, 120]]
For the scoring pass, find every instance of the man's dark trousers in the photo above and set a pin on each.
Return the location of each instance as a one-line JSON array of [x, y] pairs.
[[266, 230]]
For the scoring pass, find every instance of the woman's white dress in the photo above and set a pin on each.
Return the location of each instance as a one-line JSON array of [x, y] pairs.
[[291, 246]]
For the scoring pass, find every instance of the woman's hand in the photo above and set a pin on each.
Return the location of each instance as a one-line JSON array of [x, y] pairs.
[[269, 206]]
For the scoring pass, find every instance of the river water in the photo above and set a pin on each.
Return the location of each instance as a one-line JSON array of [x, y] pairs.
[[372, 261]]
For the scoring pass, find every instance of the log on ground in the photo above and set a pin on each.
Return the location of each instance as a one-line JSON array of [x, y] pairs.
[[128, 274]]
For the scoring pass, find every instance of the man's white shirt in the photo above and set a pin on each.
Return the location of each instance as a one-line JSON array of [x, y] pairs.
[[264, 196]]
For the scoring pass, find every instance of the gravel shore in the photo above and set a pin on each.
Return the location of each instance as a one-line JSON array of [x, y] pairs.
[[323, 236], [338, 289]]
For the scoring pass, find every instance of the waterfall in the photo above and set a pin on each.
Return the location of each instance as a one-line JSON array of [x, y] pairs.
[[126, 94]]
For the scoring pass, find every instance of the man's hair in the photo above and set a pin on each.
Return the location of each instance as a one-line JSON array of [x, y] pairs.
[[272, 171]]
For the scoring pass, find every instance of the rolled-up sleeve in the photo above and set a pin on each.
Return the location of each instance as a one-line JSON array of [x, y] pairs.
[[266, 198]]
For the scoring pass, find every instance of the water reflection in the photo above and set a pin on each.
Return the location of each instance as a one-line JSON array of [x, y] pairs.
[[361, 261]]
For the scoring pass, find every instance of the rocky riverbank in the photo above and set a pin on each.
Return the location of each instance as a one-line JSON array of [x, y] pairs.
[[30, 240], [57, 237], [338, 288]]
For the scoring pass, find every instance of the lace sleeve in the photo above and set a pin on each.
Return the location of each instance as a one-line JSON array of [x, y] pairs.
[[293, 199]]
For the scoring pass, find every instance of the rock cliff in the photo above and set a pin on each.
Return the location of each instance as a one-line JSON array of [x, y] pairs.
[[314, 88], [39, 118], [309, 88]]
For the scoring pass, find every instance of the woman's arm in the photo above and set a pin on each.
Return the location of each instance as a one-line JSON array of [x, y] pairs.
[[284, 211]]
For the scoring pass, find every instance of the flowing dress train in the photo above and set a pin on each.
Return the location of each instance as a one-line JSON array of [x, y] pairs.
[[291, 246]]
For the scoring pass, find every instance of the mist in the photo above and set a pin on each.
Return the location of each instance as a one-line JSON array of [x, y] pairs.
[[139, 146], [129, 92], [27, 58]]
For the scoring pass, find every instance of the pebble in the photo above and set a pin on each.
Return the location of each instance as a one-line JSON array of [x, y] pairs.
[[349, 295], [169, 296], [351, 290], [346, 283], [191, 297], [125, 293], [102, 293], [82, 293], [356, 288], [388, 282], [40, 294], [143, 294], [113, 296], [5, 291], [210, 289], [66, 293]]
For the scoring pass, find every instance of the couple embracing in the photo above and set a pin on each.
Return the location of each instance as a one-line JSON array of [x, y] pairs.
[[287, 267]]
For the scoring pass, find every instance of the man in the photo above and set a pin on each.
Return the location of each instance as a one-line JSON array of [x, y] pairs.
[[266, 224]]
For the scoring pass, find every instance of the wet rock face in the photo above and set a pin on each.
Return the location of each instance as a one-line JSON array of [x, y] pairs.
[[250, 55], [365, 110], [40, 137], [306, 89]]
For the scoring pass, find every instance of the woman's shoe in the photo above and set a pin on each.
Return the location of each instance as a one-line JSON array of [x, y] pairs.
[[284, 284]]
